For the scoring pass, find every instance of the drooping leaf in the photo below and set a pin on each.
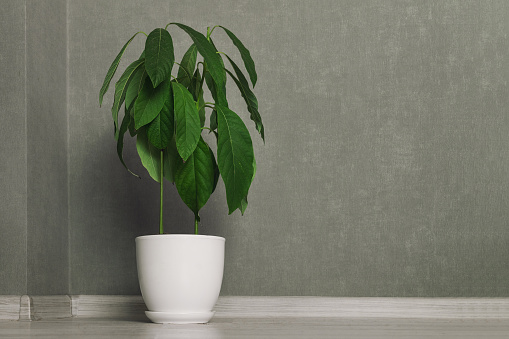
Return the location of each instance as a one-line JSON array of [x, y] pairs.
[[197, 92], [246, 56], [213, 120], [249, 97], [234, 156], [207, 50], [219, 97], [159, 56], [132, 130], [150, 102], [121, 88], [216, 171], [151, 157], [112, 70], [187, 121], [220, 90], [161, 129], [194, 178], [171, 159], [187, 66], [120, 140], [243, 204], [135, 86]]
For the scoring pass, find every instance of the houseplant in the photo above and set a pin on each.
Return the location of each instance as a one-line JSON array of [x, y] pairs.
[[180, 275]]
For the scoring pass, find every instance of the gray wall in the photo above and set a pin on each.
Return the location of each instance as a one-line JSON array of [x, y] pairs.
[[385, 171], [13, 145]]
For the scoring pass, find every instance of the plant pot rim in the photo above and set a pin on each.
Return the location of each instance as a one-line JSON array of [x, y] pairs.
[[187, 236]]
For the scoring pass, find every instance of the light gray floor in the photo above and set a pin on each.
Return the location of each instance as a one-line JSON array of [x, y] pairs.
[[261, 328]]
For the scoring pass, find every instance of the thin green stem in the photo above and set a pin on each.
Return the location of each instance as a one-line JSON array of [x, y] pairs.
[[161, 231], [142, 32], [205, 127], [209, 32], [195, 225]]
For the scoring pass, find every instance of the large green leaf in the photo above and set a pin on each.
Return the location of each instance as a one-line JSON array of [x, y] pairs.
[[207, 50], [150, 102], [234, 156], [249, 97], [194, 178], [160, 130], [120, 140], [159, 56], [187, 121], [121, 88], [112, 70], [135, 86], [246, 56], [187, 66], [151, 157]]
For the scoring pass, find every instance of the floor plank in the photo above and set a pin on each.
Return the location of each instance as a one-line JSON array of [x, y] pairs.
[[241, 328]]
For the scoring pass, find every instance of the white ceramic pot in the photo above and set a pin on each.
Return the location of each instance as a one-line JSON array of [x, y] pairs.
[[180, 276]]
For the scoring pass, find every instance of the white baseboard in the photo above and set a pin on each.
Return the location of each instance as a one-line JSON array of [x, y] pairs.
[[26, 308]]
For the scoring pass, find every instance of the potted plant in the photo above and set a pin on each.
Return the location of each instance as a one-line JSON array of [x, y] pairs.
[[180, 275]]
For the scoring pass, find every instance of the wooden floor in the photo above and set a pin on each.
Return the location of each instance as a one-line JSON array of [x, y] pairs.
[[258, 317], [240, 328]]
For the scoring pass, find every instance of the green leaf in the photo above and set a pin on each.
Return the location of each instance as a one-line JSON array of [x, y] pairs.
[[135, 86], [249, 97], [197, 92], [213, 120], [243, 204], [187, 65], [218, 96], [151, 157], [132, 130], [194, 178], [120, 140], [207, 50], [220, 90], [216, 171], [234, 156], [160, 130], [159, 56], [171, 158], [187, 121], [112, 70], [121, 88], [150, 102], [246, 56]]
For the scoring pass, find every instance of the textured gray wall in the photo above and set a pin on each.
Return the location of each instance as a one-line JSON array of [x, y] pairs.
[[386, 167], [13, 165], [47, 235]]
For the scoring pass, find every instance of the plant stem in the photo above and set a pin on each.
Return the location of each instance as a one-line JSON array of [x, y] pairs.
[[161, 198], [195, 225]]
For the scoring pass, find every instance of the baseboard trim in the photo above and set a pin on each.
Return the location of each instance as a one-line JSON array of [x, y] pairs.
[[29, 308]]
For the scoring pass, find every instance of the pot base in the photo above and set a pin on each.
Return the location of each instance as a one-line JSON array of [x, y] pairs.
[[179, 318]]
